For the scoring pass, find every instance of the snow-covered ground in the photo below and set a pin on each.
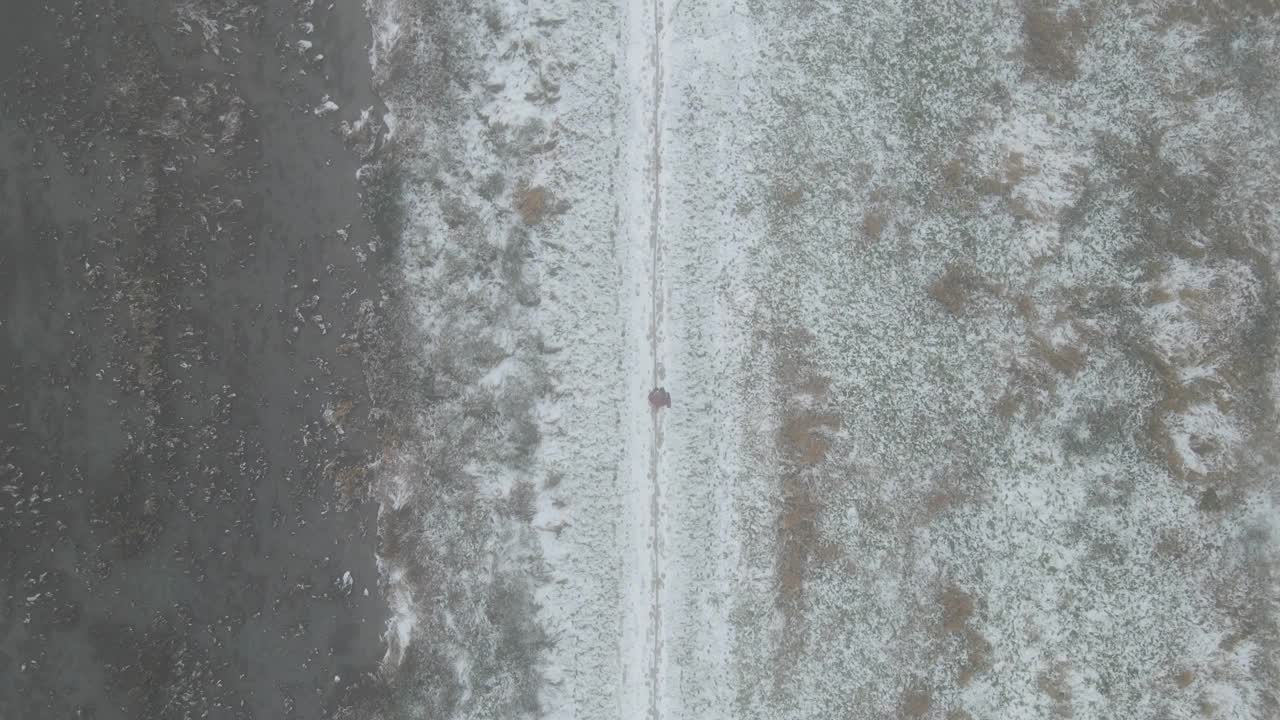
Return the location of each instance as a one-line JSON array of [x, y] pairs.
[[966, 314]]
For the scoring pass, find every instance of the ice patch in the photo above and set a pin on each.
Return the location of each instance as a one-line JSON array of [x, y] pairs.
[[326, 107]]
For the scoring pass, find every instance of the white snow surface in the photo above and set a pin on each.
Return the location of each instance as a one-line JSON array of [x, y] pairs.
[[966, 314]]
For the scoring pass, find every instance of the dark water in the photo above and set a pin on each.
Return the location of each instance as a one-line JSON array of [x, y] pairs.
[[183, 256]]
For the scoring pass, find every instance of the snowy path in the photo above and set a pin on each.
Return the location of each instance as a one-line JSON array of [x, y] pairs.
[[940, 417], [641, 211]]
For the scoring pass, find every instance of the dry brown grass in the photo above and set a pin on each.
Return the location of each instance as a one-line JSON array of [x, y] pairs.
[[1209, 501], [1007, 405], [1052, 37], [1170, 546], [957, 608], [1054, 684], [798, 531], [1001, 183], [1233, 391], [977, 657], [949, 489], [1177, 397], [351, 481], [916, 702], [873, 224], [520, 502], [806, 436], [1016, 170], [1035, 369], [803, 441], [800, 547], [1025, 306], [959, 286], [955, 174], [788, 196], [533, 204], [1221, 14], [341, 410], [938, 502], [1068, 359]]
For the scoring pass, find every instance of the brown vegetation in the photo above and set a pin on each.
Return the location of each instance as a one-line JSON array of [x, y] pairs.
[[957, 610], [873, 224], [806, 436], [520, 503], [533, 204], [1067, 359], [954, 175], [1241, 369], [1054, 684], [939, 501], [788, 196], [1052, 37], [977, 656], [340, 410], [958, 286], [350, 480], [803, 441], [1220, 14], [916, 702]]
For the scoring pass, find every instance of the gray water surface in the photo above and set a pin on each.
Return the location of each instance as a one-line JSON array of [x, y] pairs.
[[183, 254]]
